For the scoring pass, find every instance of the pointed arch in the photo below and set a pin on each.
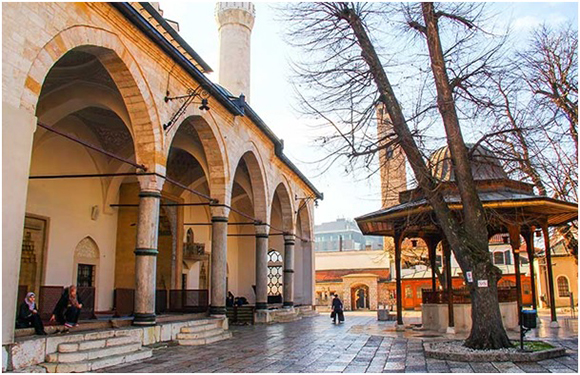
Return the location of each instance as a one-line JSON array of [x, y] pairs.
[[257, 180]]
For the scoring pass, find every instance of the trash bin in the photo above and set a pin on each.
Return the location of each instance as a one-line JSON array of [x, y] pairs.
[[529, 318]]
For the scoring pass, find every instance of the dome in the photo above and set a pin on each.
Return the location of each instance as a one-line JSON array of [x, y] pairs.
[[484, 165]]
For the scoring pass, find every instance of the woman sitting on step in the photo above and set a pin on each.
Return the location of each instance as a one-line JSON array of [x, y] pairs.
[[28, 315], [68, 308]]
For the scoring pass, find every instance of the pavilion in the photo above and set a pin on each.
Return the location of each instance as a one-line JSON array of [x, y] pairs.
[[510, 206]]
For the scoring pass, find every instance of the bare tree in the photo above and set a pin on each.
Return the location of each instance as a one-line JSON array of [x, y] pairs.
[[342, 73], [534, 102]]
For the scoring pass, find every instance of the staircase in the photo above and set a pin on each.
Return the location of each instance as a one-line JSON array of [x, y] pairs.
[[285, 315], [204, 332], [240, 314], [91, 355], [307, 311]]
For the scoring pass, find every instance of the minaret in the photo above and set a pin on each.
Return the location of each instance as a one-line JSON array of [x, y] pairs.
[[235, 22], [392, 166], [391, 163]]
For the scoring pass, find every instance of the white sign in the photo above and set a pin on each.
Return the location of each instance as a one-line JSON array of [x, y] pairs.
[[482, 283], [469, 276]]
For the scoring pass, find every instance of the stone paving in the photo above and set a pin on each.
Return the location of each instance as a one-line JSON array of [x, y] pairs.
[[315, 345]]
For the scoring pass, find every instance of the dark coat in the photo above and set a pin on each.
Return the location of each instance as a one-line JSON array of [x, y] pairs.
[[336, 304], [62, 305], [24, 313]]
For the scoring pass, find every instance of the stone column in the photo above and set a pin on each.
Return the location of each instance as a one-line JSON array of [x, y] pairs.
[[397, 242], [219, 259], [432, 242], [18, 128], [261, 267], [289, 242], [514, 233], [146, 250], [548, 252], [449, 277], [529, 238]]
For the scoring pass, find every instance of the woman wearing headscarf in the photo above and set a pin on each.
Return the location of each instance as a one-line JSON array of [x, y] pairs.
[[28, 315], [68, 308]]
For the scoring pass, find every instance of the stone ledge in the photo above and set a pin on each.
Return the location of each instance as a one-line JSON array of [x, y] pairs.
[[492, 355]]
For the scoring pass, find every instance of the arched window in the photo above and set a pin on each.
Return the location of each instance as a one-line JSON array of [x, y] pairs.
[[563, 287], [274, 273]]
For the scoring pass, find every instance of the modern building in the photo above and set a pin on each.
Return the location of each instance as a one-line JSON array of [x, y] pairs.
[[129, 173], [344, 235]]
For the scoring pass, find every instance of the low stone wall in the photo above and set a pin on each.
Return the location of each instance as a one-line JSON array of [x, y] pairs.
[[434, 316], [31, 351]]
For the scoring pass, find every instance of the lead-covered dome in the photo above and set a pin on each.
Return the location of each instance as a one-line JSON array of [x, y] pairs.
[[484, 164]]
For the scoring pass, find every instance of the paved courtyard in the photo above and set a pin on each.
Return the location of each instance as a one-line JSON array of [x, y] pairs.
[[315, 345]]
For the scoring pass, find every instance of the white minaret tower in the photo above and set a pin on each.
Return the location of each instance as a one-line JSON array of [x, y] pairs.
[[235, 22]]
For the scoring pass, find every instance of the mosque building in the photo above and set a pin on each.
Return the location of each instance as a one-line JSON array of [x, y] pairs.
[[129, 173]]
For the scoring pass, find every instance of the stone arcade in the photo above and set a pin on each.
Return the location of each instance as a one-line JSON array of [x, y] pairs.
[[124, 188]]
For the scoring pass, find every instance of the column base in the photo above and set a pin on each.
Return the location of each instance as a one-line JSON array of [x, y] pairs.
[[400, 327], [288, 304], [217, 310], [141, 319], [450, 330], [262, 317], [261, 306], [554, 324]]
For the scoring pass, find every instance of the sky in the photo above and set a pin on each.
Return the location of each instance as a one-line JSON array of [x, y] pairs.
[[345, 196]]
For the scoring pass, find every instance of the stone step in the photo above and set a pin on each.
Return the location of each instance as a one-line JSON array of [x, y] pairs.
[[71, 347], [199, 334], [201, 327], [98, 363], [206, 321], [90, 354], [309, 313], [206, 340]]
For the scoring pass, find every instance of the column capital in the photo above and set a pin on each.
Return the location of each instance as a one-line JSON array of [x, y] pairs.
[[219, 210], [151, 183], [262, 230], [289, 238]]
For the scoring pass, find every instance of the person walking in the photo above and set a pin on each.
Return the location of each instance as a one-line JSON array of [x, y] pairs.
[[68, 308], [28, 315], [337, 308]]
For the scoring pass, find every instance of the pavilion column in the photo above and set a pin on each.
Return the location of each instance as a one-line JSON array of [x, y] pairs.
[[397, 240], [289, 242], [548, 252], [146, 250], [449, 277], [529, 238], [514, 232], [261, 267], [431, 248], [219, 260]]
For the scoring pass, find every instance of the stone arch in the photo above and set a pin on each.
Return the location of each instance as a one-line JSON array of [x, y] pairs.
[[283, 192], [304, 215], [359, 300], [214, 152], [122, 68], [258, 182]]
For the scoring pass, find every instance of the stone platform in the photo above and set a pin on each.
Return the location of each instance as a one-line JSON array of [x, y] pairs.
[[31, 350]]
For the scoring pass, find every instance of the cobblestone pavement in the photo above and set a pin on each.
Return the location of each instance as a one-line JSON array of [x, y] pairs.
[[316, 345]]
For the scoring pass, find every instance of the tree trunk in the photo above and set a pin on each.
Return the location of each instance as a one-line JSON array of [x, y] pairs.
[[468, 241], [473, 253], [487, 331]]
